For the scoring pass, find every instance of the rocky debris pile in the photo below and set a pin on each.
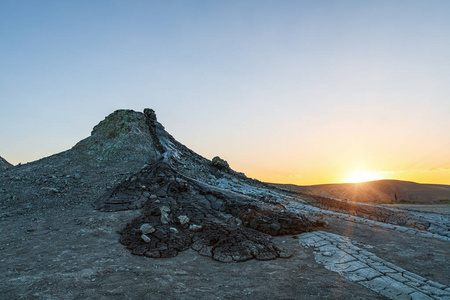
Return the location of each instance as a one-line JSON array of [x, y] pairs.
[[179, 212], [4, 164]]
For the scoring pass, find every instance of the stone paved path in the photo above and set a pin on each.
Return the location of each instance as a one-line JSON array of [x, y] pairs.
[[337, 253]]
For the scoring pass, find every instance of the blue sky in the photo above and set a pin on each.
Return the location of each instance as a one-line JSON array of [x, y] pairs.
[[286, 91]]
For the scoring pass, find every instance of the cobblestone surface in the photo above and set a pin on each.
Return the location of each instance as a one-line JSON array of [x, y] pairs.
[[338, 254]]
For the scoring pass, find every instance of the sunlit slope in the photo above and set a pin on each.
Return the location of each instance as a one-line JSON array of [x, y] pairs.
[[380, 191]]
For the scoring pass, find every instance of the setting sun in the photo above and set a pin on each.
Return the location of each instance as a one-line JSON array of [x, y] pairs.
[[362, 176]]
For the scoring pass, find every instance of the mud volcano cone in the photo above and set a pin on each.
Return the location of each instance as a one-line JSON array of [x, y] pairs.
[[185, 203]]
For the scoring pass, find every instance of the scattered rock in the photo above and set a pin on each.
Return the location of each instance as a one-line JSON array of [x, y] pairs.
[[147, 228], [145, 238], [195, 228], [183, 219], [164, 214]]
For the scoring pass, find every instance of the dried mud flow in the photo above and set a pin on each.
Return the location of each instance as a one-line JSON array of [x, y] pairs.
[[179, 212]]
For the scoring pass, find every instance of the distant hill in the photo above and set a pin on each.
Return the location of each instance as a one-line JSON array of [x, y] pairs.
[[380, 191]]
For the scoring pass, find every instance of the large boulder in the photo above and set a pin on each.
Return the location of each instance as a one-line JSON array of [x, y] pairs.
[[220, 164]]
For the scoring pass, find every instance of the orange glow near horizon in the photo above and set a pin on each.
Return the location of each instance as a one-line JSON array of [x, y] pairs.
[[362, 176], [336, 175]]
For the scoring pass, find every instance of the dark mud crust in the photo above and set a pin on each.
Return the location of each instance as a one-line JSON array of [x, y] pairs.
[[373, 212], [227, 226]]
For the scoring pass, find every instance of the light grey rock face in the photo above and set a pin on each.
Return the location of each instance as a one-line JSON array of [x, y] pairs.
[[338, 254], [4, 164]]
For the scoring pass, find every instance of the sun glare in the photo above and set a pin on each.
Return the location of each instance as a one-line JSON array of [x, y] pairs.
[[362, 176]]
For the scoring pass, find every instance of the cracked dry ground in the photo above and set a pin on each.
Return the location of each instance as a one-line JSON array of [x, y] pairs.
[[338, 254], [75, 255]]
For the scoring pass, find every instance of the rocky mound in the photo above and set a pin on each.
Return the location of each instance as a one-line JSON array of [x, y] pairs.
[[182, 208], [4, 164]]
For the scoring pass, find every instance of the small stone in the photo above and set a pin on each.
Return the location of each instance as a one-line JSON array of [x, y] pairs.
[[147, 228], [327, 254], [145, 238], [165, 214], [173, 229], [183, 219], [195, 228], [50, 190], [321, 223]]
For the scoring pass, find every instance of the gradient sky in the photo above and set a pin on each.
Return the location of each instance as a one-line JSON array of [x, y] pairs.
[[301, 92]]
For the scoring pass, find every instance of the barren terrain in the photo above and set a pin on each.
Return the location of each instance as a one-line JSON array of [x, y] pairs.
[[55, 244]]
